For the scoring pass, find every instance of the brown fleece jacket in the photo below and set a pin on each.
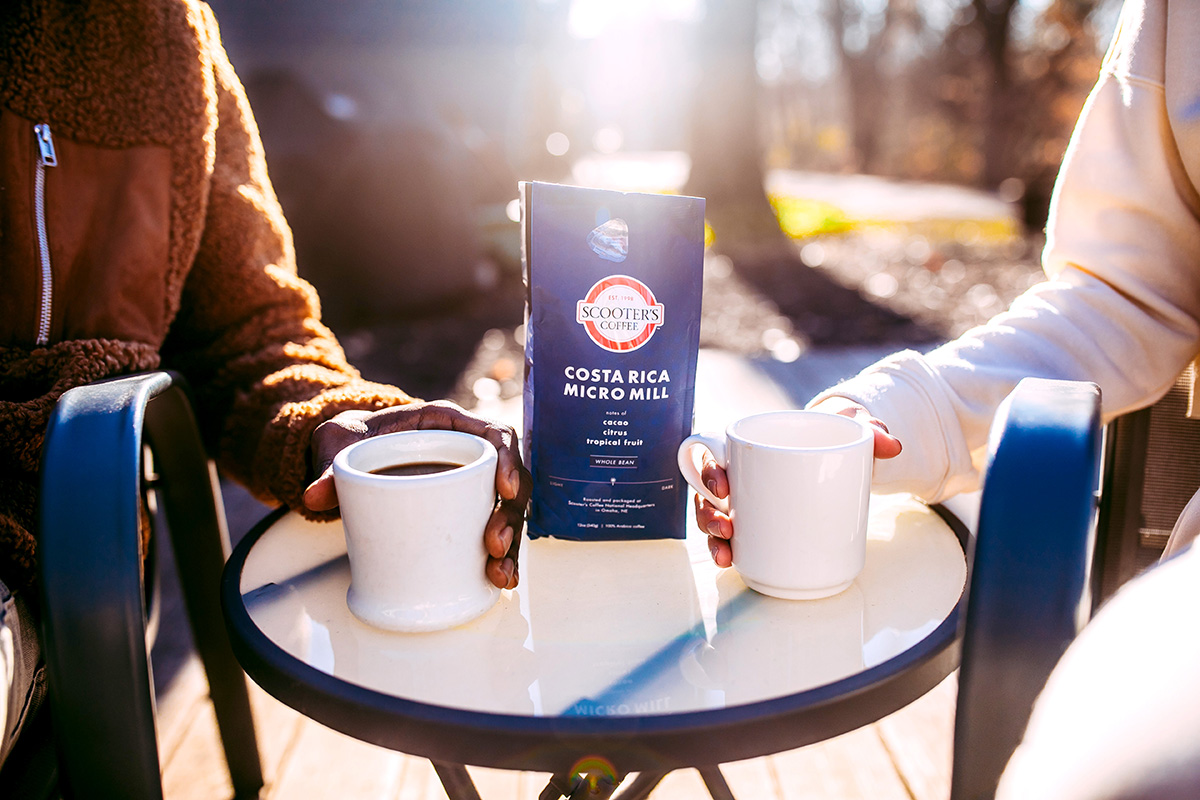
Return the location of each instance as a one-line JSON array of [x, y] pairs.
[[165, 244]]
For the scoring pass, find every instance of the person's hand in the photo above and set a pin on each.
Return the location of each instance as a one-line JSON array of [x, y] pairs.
[[717, 523], [501, 536]]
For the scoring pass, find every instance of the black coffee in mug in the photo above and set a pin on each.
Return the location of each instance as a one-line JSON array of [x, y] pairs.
[[416, 468]]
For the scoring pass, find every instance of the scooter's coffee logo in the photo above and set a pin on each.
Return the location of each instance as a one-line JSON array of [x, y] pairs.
[[619, 313]]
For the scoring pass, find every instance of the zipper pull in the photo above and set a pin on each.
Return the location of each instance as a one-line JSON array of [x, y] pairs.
[[45, 145]]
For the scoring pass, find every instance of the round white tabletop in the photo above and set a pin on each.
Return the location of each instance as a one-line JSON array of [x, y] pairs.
[[618, 638]]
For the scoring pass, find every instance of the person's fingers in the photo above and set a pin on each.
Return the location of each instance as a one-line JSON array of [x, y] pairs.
[[321, 494], [510, 516], [502, 572], [518, 504], [328, 440], [514, 484], [442, 414], [498, 534], [502, 539], [711, 520], [512, 480], [886, 445], [721, 550], [510, 472], [713, 476]]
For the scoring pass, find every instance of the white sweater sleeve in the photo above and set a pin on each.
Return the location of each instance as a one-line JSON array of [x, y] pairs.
[[1121, 303]]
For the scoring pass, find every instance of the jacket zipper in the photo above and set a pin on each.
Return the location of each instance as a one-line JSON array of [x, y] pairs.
[[46, 158]]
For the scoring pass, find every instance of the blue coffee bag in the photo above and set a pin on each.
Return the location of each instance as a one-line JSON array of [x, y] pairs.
[[612, 332]]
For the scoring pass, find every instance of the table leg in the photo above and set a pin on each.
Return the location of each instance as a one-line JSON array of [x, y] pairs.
[[562, 785], [587, 786], [601, 788], [714, 781], [641, 786], [456, 781], [579, 787], [558, 787]]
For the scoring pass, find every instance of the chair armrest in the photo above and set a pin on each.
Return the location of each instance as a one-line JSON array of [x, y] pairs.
[[93, 588], [93, 611], [1029, 582]]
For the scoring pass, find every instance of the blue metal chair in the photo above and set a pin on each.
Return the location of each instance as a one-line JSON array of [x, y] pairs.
[[1031, 570], [94, 595], [1151, 471]]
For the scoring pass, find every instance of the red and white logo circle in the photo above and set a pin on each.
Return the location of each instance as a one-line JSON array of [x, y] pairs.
[[619, 313]]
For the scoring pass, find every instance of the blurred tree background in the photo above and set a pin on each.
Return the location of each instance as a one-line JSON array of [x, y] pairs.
[[396, 131], [976, 92], [981, 92]]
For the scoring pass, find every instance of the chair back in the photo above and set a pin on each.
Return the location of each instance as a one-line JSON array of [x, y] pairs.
[[1029, 580], [1151, 471]]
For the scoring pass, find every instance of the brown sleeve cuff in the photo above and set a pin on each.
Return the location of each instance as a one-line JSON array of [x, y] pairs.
[[281, 465]]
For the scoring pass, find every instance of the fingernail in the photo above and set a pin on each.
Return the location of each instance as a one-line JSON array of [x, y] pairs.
[[714, 529], [507, 535], [712, 485], [509, 568], [514, 479], [713, 547]]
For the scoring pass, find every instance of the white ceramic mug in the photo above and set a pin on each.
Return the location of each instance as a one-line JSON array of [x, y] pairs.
[[415, 542], [799, 486]]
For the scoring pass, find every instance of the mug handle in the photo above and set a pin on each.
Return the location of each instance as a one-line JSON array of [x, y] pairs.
[[716, 446]]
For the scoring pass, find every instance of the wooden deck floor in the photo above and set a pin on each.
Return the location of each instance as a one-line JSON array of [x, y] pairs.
[[905, 756]]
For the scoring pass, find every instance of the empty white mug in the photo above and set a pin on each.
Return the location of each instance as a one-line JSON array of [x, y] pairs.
[[799, 487], [415, 541]]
